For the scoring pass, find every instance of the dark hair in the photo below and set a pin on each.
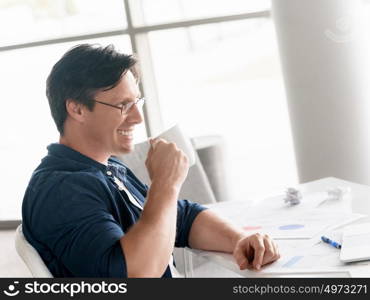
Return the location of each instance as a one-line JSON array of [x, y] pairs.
[[80, 73]]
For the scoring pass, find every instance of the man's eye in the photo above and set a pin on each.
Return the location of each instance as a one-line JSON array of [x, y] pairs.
[[123, 104]]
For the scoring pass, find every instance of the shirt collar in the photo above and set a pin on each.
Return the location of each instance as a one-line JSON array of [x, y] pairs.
[[64, 151]]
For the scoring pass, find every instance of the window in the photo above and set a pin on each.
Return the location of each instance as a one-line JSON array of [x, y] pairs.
[[38, 20], [210, 65], [183, 10], [25, 119], [225, 79]]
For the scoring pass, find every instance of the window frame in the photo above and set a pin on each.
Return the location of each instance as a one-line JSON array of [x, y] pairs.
[[140, 46], [138, 37]]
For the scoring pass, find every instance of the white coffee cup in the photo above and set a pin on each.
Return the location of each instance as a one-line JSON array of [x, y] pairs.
[[176, 135], [136, 159]]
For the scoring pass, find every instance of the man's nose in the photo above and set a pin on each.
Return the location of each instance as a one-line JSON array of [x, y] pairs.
[[135, 115]]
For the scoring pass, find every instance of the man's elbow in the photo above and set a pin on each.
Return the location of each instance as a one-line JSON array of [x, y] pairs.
[[145, 272], [142, 265]]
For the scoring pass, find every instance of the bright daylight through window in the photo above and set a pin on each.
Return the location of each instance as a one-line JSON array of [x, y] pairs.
[[211, 66]]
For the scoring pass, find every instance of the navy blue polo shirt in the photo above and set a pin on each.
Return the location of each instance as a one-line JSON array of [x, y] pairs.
[[74, 214]]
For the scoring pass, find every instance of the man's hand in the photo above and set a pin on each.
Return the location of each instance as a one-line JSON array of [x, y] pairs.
[[167, 165], [255, 251], [149, 243]]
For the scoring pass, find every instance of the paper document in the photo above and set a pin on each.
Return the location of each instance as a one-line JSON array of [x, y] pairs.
[[308, 258], [301, 226], [315, 255], [281, 221]]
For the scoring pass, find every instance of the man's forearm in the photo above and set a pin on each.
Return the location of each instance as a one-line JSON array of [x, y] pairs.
[[210, 232], [149, 243]]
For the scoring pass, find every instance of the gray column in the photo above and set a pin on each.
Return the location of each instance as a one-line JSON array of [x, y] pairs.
[[325, 58]]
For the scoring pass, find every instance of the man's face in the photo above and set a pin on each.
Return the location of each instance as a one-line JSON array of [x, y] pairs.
[[107, 130]]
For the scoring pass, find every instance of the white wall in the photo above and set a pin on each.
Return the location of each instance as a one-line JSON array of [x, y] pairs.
[[325, 56]]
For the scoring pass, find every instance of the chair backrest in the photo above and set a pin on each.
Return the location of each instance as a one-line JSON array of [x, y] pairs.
[[196, 187], [30, 256]]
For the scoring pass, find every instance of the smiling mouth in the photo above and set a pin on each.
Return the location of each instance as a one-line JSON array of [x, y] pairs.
[[125, 132]]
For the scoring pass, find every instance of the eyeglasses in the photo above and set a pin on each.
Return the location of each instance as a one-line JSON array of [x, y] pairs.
[[125, 107]]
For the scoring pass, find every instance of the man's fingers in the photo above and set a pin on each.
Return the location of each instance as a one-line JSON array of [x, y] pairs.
[[239, 256], [249, 252], [242, 254], [269, 250], [151, 146], [244, 264], [259, 251], [155, 141], [277, 251], [255, 251]]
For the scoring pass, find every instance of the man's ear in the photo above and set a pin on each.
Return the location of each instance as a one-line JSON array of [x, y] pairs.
[[75, 110]]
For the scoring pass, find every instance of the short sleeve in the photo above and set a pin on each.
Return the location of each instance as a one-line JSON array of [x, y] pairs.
[[81, 231], [186, 213]]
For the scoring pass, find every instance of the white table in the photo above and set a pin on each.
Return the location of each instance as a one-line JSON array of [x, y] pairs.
[[358, 201]]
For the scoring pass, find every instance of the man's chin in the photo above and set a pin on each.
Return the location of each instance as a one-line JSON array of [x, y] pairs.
[[126, 149]]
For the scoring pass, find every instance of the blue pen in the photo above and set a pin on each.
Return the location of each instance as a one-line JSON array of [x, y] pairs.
[[331, 242]]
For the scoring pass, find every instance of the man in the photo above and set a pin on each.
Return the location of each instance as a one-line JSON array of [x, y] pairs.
[[86, 213]]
